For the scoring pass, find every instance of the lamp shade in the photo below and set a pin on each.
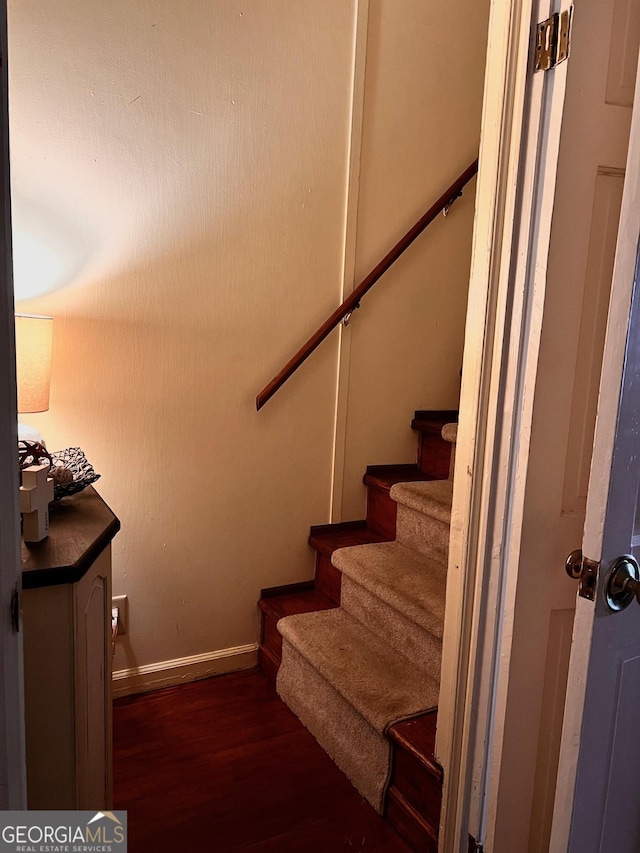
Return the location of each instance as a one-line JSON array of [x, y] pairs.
[[33, 361]]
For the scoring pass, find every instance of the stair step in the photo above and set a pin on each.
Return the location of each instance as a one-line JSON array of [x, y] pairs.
[[403, 579], [416, 783], [328, 578], [386, 476], [326, 541], [434, 452], [432, 499], [268, 663], [336, 527], [409, 823], [381, 509], [276, 607], [362, 753], [380, 684], [298, 602], [450, 433], [286, 589], [421, 647], [418, 737], [431, 422], [423, 516]]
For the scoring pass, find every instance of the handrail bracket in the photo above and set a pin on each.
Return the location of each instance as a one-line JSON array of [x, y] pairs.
[[346, 320], [450, 203]]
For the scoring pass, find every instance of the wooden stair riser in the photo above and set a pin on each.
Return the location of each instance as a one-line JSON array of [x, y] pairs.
[[328, 578], [416, 644], [267, 664], [434, 457], [426, 535], [271, 637], [381, 511], [275, 603], [420, 788], [327, 538], [434, 453], [409, 824]]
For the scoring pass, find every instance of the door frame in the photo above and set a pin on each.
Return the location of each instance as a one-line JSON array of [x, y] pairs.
[[622, 289], [500, 362], [12, 748]]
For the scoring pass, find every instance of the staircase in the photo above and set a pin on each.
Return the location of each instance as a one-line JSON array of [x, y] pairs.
[[356, 652]]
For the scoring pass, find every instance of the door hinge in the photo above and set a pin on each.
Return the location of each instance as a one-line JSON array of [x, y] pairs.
[[585, 570], [16, 609], [553, 40]]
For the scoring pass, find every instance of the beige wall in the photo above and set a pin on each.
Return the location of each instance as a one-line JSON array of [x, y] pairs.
[[184, 164], [180, 177], [420, 130]]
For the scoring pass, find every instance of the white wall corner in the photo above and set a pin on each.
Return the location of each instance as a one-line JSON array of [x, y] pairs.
[[352, 195]]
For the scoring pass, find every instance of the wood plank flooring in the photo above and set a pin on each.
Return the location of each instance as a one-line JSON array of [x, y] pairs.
[[222, 765]]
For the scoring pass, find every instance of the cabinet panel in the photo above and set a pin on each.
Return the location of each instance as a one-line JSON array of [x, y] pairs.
[[93, 675], [67, 664], [48, 687]]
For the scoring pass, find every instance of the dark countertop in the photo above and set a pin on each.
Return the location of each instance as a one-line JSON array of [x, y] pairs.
[[80, 527]]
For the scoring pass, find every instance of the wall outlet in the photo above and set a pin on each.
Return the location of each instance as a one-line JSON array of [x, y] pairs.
[[122, 603]]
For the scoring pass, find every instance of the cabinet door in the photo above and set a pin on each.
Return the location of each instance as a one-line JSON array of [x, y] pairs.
[[93, 685], [49, 697]]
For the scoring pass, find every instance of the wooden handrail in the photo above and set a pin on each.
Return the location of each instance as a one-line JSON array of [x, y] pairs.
[[353, 300]]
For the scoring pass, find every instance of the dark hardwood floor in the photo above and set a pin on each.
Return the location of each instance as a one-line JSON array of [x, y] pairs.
[[222, 765]]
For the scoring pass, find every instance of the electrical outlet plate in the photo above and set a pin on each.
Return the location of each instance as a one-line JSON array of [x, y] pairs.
[[122, 603]]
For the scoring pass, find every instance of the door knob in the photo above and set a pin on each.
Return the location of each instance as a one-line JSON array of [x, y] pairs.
[[623, 584], [574, 564], [580, 568]]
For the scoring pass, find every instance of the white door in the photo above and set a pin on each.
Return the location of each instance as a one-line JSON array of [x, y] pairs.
[[597, 805], [12, 762]]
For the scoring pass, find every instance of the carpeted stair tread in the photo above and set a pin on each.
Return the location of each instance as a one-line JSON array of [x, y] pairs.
[[432, 498], [380, 684], [409, 582]]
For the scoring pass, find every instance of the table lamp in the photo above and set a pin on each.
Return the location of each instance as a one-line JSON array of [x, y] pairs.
[[34, 335]]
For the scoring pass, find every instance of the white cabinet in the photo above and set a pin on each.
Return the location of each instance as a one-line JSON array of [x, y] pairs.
[[67, 658]]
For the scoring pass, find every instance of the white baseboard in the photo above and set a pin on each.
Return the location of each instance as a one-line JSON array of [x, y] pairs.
[[169, 673]]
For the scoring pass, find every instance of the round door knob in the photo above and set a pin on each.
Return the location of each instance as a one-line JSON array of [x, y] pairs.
[[623, 584], [573, 565]]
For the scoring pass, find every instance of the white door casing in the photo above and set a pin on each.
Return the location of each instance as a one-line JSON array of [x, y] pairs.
[[12, 754], [520, 129], [597, 805]]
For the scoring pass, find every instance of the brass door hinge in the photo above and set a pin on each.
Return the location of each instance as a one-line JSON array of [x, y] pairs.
[[553, 40], [585, 570]]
